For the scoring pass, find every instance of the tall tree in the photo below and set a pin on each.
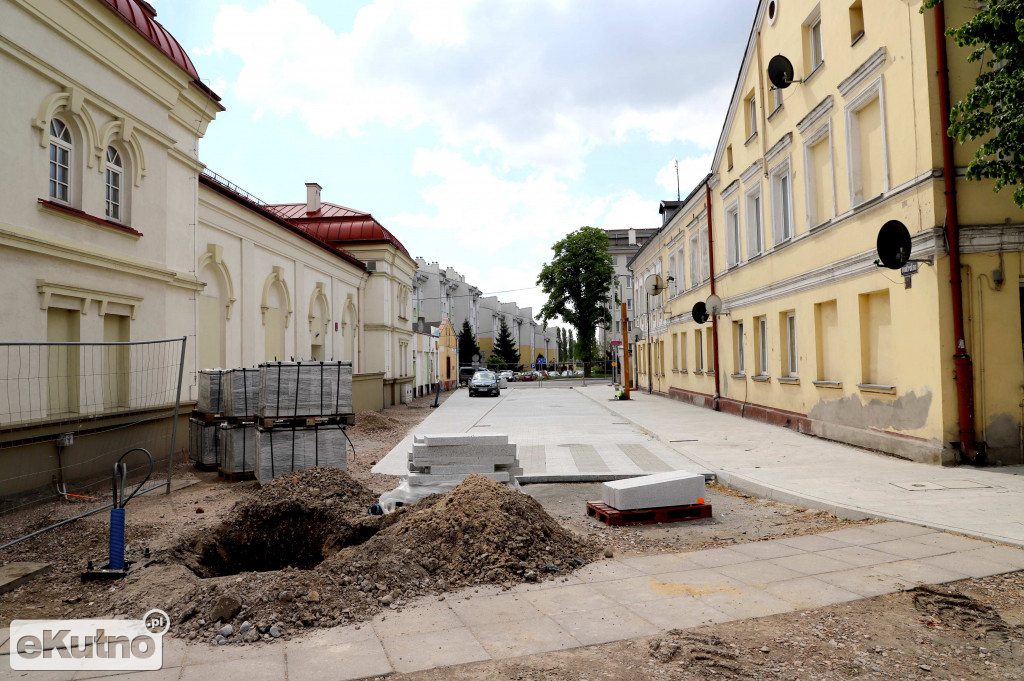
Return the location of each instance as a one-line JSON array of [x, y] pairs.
[[505, 347], [993, 110], [577, 282], [468, 346]]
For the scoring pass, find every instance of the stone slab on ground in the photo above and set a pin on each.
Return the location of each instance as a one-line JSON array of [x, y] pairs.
[[14, 575], [674, 488], [449, 439]]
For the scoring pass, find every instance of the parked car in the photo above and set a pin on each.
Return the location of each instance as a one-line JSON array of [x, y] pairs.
[[466, 374], [484, 382], [507, 375], [526, 376]]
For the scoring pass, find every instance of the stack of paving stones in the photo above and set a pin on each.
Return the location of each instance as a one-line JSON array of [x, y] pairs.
[[283, 450], [240, 393], [204, 446], [675, 488], [238, 449], [447, 459], [302, 410]]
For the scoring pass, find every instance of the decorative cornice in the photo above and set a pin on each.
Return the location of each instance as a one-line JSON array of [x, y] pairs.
[[779, 147], [48, 288], [822, 109], [730, 190], [748, 174], [862, 72]]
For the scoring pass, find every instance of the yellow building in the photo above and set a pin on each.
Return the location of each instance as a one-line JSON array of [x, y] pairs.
[[813, 334]]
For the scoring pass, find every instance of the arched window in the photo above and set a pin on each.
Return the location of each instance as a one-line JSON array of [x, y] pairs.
[[60, 161], [115, 180]]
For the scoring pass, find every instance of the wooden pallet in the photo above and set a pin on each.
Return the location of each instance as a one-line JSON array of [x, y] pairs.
[[646, 516], [205, 467], [206, 417], [306, 421], [236, 477]]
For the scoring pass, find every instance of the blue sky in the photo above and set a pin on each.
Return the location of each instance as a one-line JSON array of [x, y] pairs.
[[478, 131]]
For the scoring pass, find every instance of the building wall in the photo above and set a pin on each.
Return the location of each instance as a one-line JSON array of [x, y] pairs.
[[858, 145]]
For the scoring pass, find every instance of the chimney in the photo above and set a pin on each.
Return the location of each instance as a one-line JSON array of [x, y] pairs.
[[632, 233], [312, 197]]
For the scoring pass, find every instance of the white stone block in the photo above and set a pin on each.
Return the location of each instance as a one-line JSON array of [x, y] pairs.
[[444, 469], [462, 452], [444, 439], [675, 488]]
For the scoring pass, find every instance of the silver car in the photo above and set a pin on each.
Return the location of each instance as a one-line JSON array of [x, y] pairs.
[[484, 382]]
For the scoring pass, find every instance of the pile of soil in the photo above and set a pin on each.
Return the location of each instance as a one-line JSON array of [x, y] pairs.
[[375, 422], [302, 553]]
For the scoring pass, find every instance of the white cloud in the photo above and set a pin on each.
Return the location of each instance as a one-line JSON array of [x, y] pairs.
[[543, 83], [691, 171]]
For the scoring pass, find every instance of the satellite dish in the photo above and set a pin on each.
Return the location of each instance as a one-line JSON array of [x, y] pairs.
[[654, 284], [713, 305], [893, 244], [700, 313], [780, 72]]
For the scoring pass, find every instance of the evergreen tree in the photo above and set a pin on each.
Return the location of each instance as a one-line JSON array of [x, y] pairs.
[[505, 347], [468, 346]]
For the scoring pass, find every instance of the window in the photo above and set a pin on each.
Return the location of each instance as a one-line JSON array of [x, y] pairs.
[[782, 204], [698, 349], [728, 157], [789, 367], [856, 21], [695, 259], [755, 231], [115, 174], [60, 161], [814, 39], [671, 271], [877, 364], [710, 338], [776, 99], [819, 177], [762, 346], [751, 115], [732, 235], [675, 352], [738, 361], [827, 339], [866, 140], [704, 258], [682, 351]]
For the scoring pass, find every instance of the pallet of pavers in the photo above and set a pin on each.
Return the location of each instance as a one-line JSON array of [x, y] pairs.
[[240, 393], [286, 450], [659, 498], [439, 459], [237, 449], [302, 389], [203, 445], [210, 398]]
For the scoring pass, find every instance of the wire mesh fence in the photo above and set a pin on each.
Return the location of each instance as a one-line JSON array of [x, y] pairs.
[[68, 411]]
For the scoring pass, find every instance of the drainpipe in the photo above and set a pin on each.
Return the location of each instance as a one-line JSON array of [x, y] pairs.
[[961, 360], [714, 319]]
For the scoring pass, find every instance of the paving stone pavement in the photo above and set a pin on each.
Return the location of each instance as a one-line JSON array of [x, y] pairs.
[[606, 601]]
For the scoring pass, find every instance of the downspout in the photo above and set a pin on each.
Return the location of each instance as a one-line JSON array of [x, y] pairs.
[[964, 371], [714, 319]]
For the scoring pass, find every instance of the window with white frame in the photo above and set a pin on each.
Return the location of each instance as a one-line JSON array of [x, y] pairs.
[[782, 203], [790, 345], [739, 361], [819, 176], [755, 228], [751, 116], [732, 234], [695, 259], [698, 350], [762, 346], [60, 161], [814, 40], [776, 99], [671, 271], [114, 181]]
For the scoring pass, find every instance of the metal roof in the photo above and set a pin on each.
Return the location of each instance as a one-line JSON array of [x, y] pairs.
[[141, 16], [297, 211], [339, 225]]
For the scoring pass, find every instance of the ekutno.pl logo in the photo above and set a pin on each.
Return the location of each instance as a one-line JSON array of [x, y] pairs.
[[89, 645]]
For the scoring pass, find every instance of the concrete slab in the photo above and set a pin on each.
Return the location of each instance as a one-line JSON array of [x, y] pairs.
[[165, 674], [859, 556], [673, 488], [443, 648], [767, 549], [524, 637], [812, 542], [421, 617], [806, 593], [634, 590], [14, 575], [865, 581], [908, 548], [662, 562], [758, 573], [746, 602], [713, 558], [604, 626], [811, 563], [569, 599], [605, 571], [913, 573], [1007, 555], [7, 673], [341, 657], [950, 542], [900, 530], [264, 667], [679, 613], [971, 566], [508, 607]]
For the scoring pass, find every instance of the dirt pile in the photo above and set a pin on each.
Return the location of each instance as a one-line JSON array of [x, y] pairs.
[[481, 532], [375, 422]]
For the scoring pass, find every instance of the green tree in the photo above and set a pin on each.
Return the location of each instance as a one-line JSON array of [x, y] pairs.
[[505, 347], [467, 344], [577, 282], [993, 110]]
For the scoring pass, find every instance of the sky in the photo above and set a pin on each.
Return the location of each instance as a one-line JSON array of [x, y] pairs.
[[479, 132]]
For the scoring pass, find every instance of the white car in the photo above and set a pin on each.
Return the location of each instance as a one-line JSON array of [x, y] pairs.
[[506, 374]]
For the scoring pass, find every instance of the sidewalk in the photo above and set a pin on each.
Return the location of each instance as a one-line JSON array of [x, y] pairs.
[[610, 600], [781, 464]]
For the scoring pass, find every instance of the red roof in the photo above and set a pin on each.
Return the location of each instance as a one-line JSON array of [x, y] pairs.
[[339, 225], [141, 16]]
